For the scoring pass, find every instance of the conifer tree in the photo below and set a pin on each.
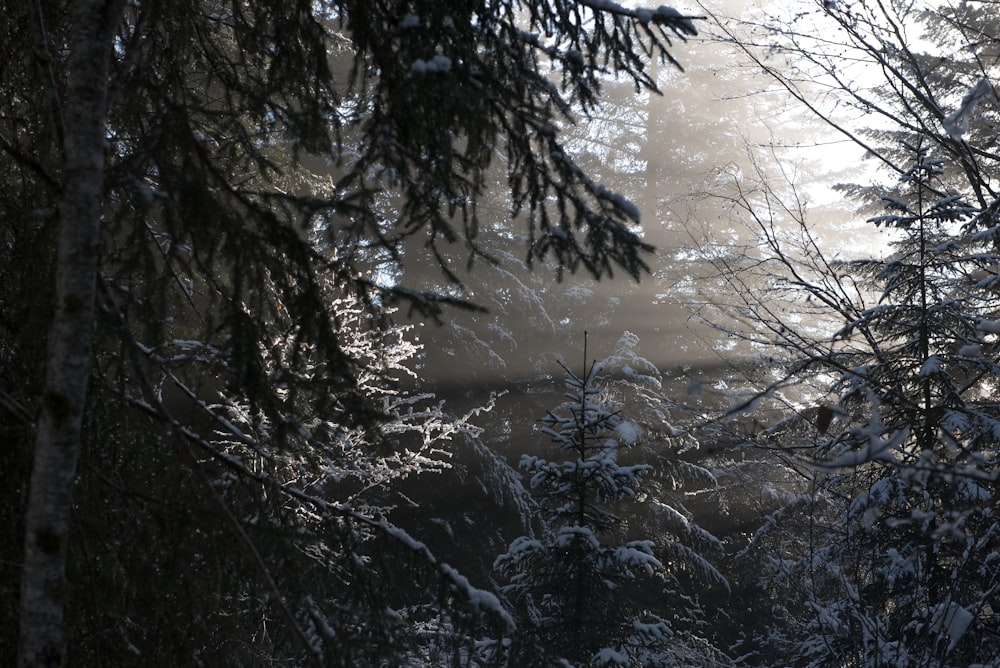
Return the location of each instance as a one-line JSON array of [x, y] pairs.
[[575, 587], [921, 511], [896, 547]]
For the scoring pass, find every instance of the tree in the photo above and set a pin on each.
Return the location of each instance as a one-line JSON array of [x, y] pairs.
[[61, 409], [890, 551], [312, 505], [576, 591], [567, 580], [680, 495], [886, 76], [169, 146], [919, 510]]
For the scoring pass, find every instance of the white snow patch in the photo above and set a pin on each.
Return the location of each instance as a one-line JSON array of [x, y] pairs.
[[610, 657], [638, 554], [580, 292], [436, 65], [665, 13], [971, 350], [624, 204], [954, 619], [570, 534], [628, 431], [875, 449], [989, 326], [524, 544], [657, 630], [956, 123], [479, 599], [931, 366], [403, 537], [895, 203]]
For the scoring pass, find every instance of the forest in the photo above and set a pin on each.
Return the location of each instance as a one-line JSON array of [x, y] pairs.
[[500, 333]]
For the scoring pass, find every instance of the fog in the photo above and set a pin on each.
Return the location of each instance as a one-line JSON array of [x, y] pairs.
[[719, 128]]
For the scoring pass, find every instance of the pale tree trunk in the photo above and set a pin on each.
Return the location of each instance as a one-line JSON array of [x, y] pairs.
[[57, 443]]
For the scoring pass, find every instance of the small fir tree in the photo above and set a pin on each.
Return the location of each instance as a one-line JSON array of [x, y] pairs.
[[566, 585]]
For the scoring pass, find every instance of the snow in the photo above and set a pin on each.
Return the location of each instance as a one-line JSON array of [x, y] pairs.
[[989, 326], [970, 350], [479, 599], [610, 657], [408, 21], [624, 204], [578, 292], [870, 517], [662, 14], [439, 64], [969, 490], [638, 553], [188, 344], [895, 203], [954, 619], [874, 448], [403, 537], [569, 535], [628, 431], [671, 15], [523, 545], [657, 630], [956, 123], [444, 524], [605, 6], [931, 367]]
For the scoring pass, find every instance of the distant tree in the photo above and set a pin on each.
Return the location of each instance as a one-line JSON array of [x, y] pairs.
[[881, 73]]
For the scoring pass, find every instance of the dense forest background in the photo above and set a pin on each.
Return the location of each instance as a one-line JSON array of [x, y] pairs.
[[499, 332]]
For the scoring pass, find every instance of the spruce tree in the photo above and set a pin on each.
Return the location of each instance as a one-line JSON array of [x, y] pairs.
[[896, 547], [578, 588]]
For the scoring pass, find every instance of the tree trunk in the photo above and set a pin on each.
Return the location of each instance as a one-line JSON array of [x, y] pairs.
[[57, 442]]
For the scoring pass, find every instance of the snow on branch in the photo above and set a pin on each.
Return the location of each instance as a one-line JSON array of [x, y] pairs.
[[662, 15], [956, 123]]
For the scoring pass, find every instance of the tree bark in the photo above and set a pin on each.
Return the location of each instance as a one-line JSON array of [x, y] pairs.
[[44, 589]]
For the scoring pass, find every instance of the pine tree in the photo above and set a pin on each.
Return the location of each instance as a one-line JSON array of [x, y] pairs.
[[576, 591], [898, 566], [662, 433]]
